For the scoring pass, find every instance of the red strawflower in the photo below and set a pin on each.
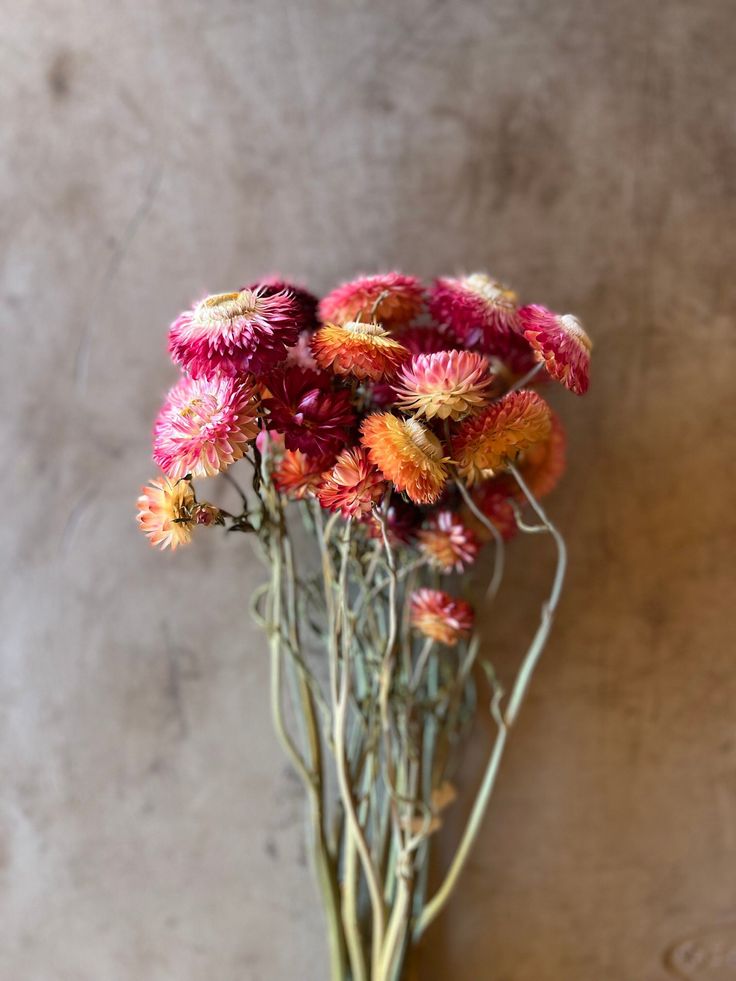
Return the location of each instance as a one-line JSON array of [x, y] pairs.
[[313, 417], [561, 343], [476, 308]]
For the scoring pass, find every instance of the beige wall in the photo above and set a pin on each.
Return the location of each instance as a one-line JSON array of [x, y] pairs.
[[584, 151]]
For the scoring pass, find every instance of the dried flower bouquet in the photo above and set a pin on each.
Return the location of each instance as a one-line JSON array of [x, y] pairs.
[[399, 428]]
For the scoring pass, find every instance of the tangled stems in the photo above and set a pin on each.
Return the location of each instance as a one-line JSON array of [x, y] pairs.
[[386, 723], [504, 720]]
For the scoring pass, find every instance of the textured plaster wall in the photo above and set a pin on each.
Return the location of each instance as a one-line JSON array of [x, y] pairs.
[[584, 151]]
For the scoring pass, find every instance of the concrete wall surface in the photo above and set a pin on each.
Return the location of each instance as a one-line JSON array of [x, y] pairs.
[[584, 152]]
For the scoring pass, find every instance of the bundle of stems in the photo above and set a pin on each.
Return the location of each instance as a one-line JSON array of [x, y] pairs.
[[375, 736]]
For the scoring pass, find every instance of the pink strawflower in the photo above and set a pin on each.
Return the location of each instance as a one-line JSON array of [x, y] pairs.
[[448, 543], [166, 512], [440, 616], [561, 343], [391, 298], [313, 416], [204, 426], [476, 308], [353, 486], [446, 384], [231, 333]]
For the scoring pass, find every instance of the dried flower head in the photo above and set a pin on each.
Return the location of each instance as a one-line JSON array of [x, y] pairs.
[[448, 384], [353, 486], [485, 443], [204, 425], [448, 543], [298, 475], [438, 615], [476, 308], [406, 453], [166, 512], [393, 298], [364, 350], [561, 343], [230, 333], [313, 416]]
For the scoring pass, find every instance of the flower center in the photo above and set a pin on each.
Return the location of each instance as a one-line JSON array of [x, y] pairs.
[[371, 329], [226, 306], [423, 439], [574, 328], [491, 291]]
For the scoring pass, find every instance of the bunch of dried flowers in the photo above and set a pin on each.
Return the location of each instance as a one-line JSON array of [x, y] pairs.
[[399, 426]]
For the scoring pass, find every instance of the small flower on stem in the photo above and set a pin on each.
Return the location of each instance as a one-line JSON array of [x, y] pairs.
[[440, 616], [448, 542], [166, 512]]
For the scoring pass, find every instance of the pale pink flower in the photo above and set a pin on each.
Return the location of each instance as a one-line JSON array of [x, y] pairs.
[[447, 384], [204, 426]]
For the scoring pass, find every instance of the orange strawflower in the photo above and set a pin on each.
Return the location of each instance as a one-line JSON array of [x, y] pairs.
[[447, 384], [353, 486], [448, 543], [406, 453], [364, 350], [438, 615], [166, 512], [395, 299], [299, 475], [484, 444]]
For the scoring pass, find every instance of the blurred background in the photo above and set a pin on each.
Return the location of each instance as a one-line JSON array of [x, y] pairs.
[[152, 152]]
